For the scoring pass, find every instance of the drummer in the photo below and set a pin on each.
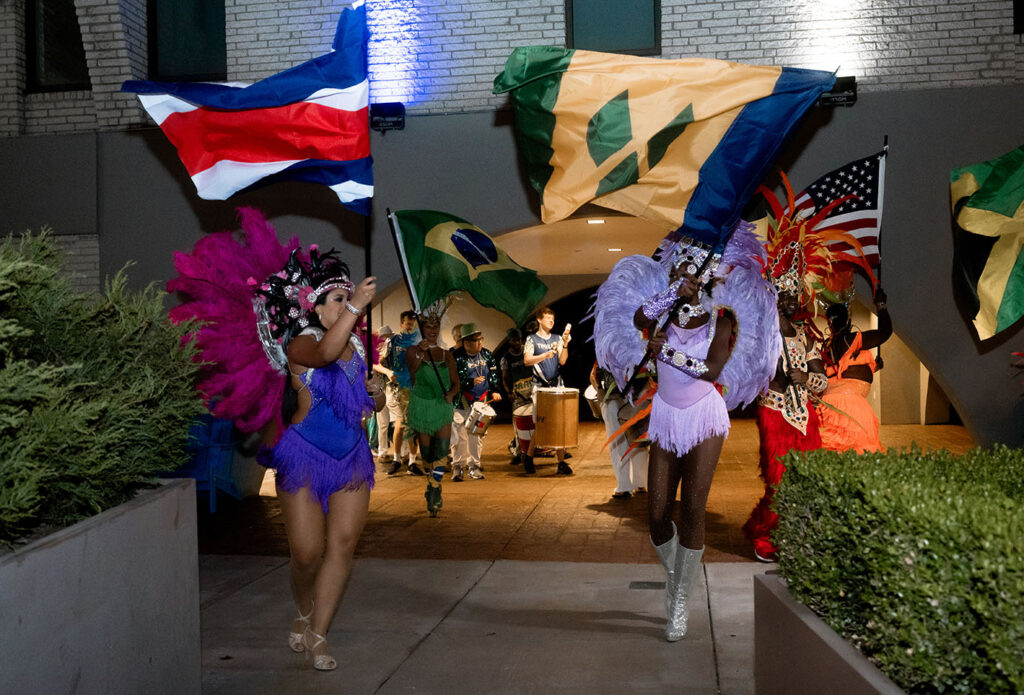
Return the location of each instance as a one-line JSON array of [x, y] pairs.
[[546, 354], [478, 375], [517, 379]]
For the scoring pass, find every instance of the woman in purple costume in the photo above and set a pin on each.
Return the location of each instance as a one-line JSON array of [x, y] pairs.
[[306, 391], [706, 330], [323, 462]]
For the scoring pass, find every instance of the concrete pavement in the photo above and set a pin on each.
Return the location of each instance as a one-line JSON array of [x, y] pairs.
[[504, 626]]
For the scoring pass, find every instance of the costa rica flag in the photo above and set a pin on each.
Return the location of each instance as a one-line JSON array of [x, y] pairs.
[[308, 123]]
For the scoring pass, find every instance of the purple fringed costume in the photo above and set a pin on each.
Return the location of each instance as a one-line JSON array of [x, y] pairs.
[[687, 411], [328, 450]]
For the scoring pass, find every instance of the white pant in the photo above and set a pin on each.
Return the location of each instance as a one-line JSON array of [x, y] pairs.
[[630, 473], [465, 446], [383, 422]]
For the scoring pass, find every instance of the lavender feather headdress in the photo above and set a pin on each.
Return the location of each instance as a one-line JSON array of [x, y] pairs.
[[737, 285]]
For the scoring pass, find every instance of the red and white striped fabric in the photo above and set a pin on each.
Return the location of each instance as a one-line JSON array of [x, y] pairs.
[[308, 123], [860, 215]]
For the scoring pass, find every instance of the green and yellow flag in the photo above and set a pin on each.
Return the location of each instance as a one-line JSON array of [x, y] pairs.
[[988, 211], [682, 143], [442, 253]]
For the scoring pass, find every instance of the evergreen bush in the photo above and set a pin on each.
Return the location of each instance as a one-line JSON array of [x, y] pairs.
[[96, 391], [915, 558]]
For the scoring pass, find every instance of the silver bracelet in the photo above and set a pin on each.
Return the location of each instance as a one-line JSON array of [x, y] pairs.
[[352, 309]]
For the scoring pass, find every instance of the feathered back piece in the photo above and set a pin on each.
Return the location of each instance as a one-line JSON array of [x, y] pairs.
[[800, 259], [217, 283], [738, 286]]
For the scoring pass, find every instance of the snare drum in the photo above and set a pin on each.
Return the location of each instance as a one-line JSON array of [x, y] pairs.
[[525, 410], [593, 400], [557, 417], [479, 418]]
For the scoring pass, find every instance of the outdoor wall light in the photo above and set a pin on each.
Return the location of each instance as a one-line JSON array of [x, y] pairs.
[[387, 116]]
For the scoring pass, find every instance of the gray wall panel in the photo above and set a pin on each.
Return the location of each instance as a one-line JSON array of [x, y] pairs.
[[48, 180]]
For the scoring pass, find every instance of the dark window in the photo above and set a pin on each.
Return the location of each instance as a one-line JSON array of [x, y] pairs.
[[1018, 16], [56, 58], [186, 40], [614, 26]]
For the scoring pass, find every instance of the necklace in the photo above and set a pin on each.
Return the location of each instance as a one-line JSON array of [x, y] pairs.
[[690, 311]]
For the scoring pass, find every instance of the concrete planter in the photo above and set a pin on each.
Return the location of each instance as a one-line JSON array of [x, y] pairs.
[[796, 652], [109, 605]]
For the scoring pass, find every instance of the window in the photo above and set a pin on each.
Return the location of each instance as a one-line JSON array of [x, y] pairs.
[[186, 40], [614, 26], [53, 41]]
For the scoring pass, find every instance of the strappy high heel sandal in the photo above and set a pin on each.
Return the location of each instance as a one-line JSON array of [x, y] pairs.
[[295, 638], [321, 662]]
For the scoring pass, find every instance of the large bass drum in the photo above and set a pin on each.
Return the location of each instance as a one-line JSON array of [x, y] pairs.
[[556, 417]]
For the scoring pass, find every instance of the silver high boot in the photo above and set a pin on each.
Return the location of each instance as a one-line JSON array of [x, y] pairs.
[[667, 554], [687, 567]]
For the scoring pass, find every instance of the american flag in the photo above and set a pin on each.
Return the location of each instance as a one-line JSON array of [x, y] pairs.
[[861, 215]]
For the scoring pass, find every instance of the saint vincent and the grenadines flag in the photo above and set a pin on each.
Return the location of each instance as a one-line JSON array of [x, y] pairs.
[[442, 253], [988, 209], [682, 143], [309, 123]]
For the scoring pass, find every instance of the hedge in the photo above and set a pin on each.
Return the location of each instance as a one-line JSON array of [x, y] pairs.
[[96, 393], [915, 558]]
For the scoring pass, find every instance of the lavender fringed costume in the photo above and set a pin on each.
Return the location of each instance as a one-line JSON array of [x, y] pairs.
[[328, 450], [685, 410]]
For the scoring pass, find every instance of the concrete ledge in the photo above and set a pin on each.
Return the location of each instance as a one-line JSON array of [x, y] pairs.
[[109, 605], [795, 651]]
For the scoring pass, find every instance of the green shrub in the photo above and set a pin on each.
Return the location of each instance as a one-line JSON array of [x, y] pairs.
[[96, 394], [915, 558]]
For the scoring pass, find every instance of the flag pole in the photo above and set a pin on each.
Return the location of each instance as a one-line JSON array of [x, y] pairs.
[[881, 194], [367, 261], [403, 261], [674, 308]]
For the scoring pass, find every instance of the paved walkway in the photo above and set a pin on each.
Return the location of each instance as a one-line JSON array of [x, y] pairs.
[[507, 626], [522, 585]]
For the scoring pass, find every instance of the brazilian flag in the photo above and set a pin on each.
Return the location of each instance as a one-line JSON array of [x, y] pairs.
[[682, 143], [442, 253], [988, 212]]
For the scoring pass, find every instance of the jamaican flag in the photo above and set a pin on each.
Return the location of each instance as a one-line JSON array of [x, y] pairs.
[[682, 143], [988, 216], [442, 253]]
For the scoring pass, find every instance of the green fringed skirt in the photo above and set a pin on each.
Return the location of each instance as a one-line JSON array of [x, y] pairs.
[[428, 410]]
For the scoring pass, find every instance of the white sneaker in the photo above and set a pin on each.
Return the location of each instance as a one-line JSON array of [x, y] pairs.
[[475, 473]]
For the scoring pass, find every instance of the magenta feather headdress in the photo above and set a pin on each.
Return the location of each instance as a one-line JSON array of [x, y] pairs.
[[217, 283]]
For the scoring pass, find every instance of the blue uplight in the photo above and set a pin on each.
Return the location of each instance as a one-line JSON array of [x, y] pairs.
[[394, 51]]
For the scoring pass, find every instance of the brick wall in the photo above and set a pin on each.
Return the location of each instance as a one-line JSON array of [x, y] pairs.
[[441, 56], [12, 67]]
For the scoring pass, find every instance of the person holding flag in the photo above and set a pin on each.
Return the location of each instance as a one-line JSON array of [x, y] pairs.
[[847, 420], [709, 319], [844, 209], [805, 258], [435, 384], [276, 328], [441, 254]]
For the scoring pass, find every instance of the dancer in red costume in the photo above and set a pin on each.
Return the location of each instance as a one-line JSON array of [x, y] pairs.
[[786, 420]]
